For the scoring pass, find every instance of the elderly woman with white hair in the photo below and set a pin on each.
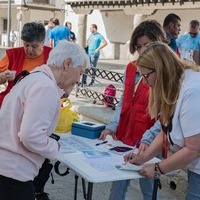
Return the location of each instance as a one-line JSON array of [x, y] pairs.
[[29, 115]]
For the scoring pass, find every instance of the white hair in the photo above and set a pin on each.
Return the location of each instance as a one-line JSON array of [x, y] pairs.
[[65, 49]]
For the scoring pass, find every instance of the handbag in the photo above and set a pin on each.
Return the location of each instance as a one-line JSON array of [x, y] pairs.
[[109, 95], [67, 117]]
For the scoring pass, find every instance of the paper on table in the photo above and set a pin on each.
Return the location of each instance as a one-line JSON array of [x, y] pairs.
[[71, 143], [129, 166], [101, 164], [133, 167], [106, 163], [95, 154]]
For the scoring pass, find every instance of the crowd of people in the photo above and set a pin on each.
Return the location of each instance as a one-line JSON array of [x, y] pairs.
[[158, 107]]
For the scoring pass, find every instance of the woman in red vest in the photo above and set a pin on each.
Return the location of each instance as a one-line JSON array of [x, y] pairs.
[[32, 54], [131, 118]]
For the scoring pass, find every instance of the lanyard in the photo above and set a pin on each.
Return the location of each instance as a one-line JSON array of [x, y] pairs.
[[166, 134]]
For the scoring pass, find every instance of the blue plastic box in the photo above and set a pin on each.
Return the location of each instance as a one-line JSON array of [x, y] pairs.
[[87, 129]]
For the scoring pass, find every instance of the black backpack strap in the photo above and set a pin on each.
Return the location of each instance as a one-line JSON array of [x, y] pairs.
[[20, 76], [56, 168]]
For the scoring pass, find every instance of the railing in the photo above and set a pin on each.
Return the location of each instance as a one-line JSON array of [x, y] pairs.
[[102, 79]]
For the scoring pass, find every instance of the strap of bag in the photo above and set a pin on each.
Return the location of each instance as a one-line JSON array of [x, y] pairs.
[[20, 76], [23, 74], [56, 168]]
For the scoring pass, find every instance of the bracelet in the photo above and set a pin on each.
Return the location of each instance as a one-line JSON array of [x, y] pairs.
[[157, 172], [158, 168]]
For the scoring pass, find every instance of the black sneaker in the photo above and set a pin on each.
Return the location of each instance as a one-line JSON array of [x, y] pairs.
[[42, 196], [83, 84], [91, 84]]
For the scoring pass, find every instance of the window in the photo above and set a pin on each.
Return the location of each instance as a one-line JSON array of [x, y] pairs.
[[5, 23]]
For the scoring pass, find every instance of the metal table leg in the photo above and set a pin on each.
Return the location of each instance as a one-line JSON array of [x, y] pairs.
[[84, 189], [89, 193], [75, 187], [156, 184]]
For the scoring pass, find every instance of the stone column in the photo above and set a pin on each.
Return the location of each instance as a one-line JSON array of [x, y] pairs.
[[82, 30], [116, 50]]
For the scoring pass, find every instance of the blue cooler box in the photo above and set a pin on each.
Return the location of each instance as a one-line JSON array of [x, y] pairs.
[[87, 129]]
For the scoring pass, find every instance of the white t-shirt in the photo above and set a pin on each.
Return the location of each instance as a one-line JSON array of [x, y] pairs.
[[47, 32], [186, 120], [13, 36]]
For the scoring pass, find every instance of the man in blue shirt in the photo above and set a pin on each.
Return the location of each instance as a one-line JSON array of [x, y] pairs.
[[172, 27], [58, 33], [72, 34], [189, 42], [95, 42]]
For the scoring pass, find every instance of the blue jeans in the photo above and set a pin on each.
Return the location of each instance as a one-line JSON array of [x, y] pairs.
[[193, 191], [119, 189], [93, 61]]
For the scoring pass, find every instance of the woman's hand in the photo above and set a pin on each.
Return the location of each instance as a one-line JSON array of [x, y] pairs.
[[148, 171], [134, 158], [7, 76], [106, 132]]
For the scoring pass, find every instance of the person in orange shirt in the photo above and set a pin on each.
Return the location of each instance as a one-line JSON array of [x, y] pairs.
[[33, 53]]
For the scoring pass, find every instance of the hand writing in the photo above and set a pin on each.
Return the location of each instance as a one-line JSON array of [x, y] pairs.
[[134, 158]]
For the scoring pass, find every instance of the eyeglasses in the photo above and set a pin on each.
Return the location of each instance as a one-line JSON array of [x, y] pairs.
[[139, 47], [146, 76]]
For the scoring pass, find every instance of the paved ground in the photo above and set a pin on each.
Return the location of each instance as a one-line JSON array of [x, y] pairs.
[[63, 188]]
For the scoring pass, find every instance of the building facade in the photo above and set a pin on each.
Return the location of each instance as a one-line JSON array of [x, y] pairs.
[[117, 19], [23, 11]]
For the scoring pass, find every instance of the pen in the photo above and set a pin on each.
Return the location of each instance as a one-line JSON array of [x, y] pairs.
[[135, 147], [104, 142]]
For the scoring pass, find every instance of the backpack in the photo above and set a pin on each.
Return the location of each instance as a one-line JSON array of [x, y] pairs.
[[109, 95]]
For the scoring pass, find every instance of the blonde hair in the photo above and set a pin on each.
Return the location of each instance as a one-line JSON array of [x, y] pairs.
[[169, 69]]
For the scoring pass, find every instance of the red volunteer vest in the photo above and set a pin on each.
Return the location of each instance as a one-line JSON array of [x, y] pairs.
[[16, 60], [134, 117]]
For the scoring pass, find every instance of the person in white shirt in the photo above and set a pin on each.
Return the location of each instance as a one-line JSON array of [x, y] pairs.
[[13, 38], [48, 29], [174, 98]]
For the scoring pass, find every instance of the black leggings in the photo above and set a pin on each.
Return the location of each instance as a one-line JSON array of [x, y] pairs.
[[11, 189]]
